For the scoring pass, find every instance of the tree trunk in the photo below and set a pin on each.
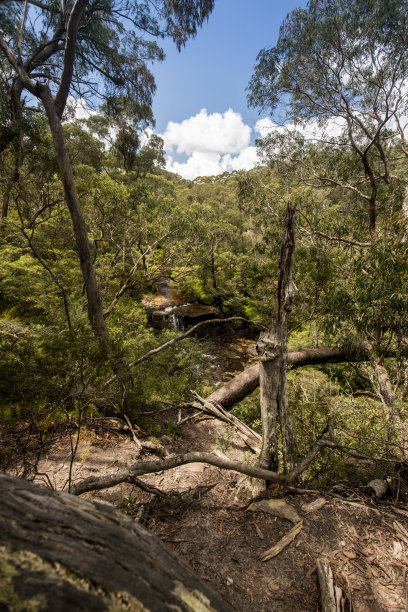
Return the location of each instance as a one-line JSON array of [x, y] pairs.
[[272, 351], [17, 117], [389, 397], [58, 552], [95, 313], [271, 366], [213, 275]]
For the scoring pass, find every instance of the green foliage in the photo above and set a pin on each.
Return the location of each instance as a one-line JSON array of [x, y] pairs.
[[248, 411], [325, 60], [224, 439]]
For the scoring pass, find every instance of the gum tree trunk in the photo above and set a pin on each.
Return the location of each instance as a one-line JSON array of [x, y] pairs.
[[273, 356], [95, 312]]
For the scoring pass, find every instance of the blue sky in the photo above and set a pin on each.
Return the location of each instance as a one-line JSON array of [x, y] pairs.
[[211, 73]]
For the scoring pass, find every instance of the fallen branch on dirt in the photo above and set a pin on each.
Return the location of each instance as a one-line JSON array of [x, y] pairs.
[[219, 412], [331, 595], [147, 488], [152, 467], [166, 345], [132, 431], [190, 417], [282, 544]]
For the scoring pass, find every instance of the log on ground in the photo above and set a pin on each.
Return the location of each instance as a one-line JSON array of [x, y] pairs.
[[58, 552], [244, 383]]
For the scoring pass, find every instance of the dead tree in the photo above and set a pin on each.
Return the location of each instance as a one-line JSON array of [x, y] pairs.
[[273, 354]]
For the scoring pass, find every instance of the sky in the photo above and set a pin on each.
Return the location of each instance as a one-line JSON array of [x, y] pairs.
[[200, 105]]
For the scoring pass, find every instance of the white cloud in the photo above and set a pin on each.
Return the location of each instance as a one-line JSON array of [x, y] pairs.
[[248, 158], [80, 109], [215, 133], [220, 142], [214, 143]]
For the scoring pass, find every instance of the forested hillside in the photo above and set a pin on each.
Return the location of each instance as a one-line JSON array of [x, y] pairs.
[[133, 301]]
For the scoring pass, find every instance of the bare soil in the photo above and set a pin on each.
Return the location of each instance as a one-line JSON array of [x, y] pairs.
[[204, 517]]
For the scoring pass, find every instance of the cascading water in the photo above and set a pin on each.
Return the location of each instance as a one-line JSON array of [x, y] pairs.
[[177, 320], [231, 347]]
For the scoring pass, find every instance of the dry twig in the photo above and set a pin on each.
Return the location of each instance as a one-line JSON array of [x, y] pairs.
[[283, 543]]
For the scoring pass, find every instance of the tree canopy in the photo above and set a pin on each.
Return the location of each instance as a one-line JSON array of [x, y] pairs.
[[343, 63]]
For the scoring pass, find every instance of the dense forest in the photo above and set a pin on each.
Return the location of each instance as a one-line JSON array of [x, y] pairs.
[[119, 281]]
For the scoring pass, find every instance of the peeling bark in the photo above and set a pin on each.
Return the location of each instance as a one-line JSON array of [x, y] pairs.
[[272, 352]]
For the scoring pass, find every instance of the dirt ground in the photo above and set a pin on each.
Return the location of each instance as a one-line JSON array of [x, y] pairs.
[[204, 516]]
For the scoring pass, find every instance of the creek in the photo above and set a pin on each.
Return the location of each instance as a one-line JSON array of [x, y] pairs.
[[229, 347]]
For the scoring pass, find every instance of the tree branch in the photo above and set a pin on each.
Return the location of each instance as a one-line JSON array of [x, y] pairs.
[[166, 345], [69, 55], [151, 467]]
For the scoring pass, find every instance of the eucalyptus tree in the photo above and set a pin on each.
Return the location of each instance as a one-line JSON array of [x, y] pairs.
[[339, 68], [344, 64], [98, 50]]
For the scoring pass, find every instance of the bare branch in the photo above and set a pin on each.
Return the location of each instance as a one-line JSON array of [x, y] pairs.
[[151, 467], [166, 345], [336, 238]]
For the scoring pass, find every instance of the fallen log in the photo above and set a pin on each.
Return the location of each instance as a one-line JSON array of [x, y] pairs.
[[242, 385], [58, 552]]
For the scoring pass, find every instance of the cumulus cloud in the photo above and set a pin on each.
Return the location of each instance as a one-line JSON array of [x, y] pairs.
[[220, 142], [215, 133], [214, 143]]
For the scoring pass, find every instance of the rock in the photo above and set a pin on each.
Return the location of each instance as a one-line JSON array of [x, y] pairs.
[[380, 487], [276, 507], [248, 488], [314, 505]]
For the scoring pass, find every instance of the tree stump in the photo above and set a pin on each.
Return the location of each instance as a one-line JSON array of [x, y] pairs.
[[61, 553]]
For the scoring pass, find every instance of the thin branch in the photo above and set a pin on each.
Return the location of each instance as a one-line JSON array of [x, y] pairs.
[[166, 345], [147, 488], [40, 211], [22, 26], [40, 5], [336, 238]]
